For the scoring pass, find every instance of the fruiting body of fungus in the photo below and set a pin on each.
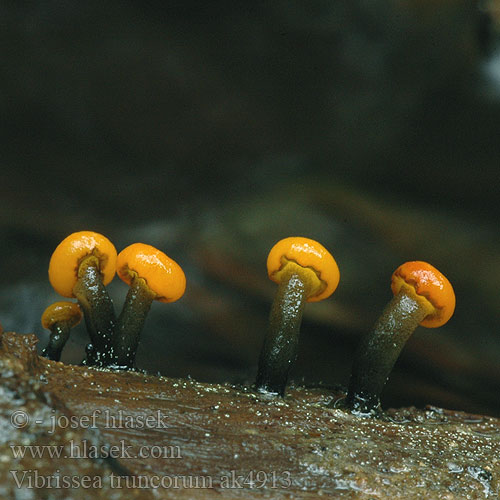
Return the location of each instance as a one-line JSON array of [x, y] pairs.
[[81, 265], [422, 295], [59, 318], [305, 272], [152, 275]]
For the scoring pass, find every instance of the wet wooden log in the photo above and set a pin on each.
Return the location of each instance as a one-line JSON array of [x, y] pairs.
[[133, 435]]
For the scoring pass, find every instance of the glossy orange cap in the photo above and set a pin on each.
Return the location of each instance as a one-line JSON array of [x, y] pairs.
[[309, 255], [428, 284], [67, 257], [61, 312], [162, 274]]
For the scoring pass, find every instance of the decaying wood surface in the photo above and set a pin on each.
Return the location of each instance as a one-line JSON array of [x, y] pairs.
[[131, 435]]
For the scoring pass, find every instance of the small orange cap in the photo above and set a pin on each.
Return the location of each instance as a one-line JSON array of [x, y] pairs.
[[430, 285], [69, 254], [59, 312], [162, 274], [308, 254]]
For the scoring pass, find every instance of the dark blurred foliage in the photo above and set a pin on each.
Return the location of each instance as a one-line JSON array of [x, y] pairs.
[[214, 129]]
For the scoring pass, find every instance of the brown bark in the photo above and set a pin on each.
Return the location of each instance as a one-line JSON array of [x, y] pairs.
[[223, 437]]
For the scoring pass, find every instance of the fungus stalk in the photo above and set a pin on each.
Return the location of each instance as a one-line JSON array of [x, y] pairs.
[[59, 335], [280, 347], [378, 352], [131, 321], [98, 311]]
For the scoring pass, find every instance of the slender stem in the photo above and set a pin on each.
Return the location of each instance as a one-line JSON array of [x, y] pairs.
[[281, 343], [98, 311], [59, 335], [130, 323], [379, 350]]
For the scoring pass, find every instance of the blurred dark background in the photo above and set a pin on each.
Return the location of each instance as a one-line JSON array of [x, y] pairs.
[[213, 129]]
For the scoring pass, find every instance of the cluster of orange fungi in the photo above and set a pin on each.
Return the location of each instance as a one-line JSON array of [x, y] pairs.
[[85, 262], [81, 267]]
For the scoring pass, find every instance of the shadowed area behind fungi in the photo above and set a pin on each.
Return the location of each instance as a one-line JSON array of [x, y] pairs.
[[211, 134]]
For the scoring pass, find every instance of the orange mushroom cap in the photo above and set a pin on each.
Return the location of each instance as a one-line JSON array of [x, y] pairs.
[[305, 255], [62, 311], [162, 274], [428, 286], [69, 254]]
